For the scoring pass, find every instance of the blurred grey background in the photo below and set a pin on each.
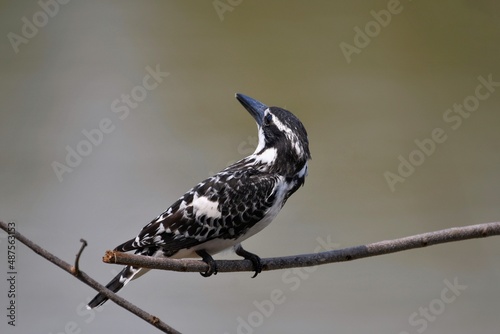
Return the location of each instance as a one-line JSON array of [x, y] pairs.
[[67, 69]]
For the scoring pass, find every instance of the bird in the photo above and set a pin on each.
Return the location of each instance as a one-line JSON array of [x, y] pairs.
[[232, 205]]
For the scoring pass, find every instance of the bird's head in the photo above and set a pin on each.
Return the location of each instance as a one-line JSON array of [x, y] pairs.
[[283, 144]]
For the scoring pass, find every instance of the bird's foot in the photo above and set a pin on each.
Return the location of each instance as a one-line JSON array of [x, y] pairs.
[[208, 259], [255, 259]]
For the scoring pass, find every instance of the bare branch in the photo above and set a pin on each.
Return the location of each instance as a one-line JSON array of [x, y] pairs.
[[153, 320], [76, 268], [307, 260]]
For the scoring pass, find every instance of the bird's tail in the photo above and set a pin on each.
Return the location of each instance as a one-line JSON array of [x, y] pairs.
[[126, 275]]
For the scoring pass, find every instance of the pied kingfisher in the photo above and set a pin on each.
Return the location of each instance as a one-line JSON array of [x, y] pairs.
[[231, 206]]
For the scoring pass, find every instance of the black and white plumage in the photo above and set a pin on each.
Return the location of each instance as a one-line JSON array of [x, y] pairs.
[[229, 207]]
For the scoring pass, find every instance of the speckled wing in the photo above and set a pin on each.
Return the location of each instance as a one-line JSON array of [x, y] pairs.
[[224, 206]]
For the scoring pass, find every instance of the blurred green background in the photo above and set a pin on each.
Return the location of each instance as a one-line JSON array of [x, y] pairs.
[[362, 113]]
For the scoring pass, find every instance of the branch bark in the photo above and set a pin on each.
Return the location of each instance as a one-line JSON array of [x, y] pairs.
[[305, 260], [74, 270], [314, 259]]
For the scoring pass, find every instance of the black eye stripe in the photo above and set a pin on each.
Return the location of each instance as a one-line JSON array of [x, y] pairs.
[[268, 119]]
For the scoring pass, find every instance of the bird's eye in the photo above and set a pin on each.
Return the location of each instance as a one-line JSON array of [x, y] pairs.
[[268, 119]]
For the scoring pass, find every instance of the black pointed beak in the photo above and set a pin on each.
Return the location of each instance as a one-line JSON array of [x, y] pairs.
[[254, 107]]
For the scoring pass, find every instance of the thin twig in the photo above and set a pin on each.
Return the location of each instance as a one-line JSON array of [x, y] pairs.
[[76, 267], [314, 259], [155, 321]]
